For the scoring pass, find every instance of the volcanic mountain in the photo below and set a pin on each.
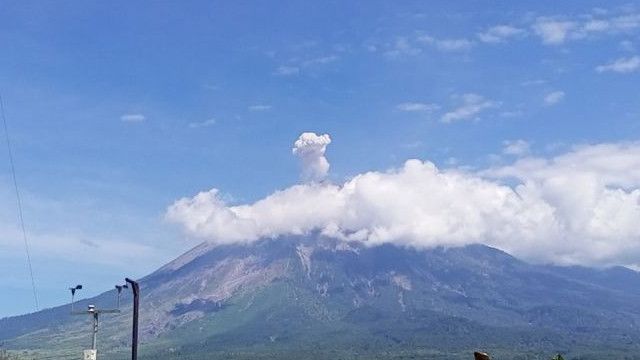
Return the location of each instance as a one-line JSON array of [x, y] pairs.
[[311, 297]]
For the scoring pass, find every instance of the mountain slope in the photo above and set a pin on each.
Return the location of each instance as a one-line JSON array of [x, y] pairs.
[[328, 299]]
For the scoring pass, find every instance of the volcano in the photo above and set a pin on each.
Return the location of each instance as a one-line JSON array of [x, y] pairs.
[[312, 297]]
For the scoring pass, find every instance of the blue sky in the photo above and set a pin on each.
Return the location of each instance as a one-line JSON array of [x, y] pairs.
[[117, 109]]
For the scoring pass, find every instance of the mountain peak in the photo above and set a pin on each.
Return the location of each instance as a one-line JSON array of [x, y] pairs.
[[304, 290]]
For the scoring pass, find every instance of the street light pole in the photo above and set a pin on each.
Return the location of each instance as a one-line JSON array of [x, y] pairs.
[[136, 303]]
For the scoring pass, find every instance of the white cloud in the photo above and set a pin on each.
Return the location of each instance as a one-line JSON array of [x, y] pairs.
[[285, 70], [132, 118], [596, 26], [500, 33], [417, 107], [581, 207], [554, 97], [402, 46], [310, 148], [553, 32], [627, 22], [447, 44], [472, 105], [556, 31], [201, 124], [410, 46], [296, 66], [260, 107], [594, 192], [516, 147], [622, 65]]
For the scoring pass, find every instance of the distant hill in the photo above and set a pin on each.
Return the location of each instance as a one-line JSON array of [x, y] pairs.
[[316, 298]]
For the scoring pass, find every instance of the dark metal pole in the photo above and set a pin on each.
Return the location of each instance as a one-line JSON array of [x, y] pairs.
[[134, 340]]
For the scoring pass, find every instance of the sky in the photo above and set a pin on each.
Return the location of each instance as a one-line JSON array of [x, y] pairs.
[[139, 130]]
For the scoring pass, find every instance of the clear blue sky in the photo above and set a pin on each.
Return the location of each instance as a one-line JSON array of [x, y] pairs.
[[118, 108]]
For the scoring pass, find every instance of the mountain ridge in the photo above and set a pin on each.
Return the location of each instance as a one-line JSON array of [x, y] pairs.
[[294, 293]]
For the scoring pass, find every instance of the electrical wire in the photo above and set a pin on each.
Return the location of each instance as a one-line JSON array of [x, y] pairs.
[[18, 201]]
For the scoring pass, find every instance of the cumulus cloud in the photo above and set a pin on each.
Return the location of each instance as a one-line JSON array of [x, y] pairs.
[[472, 105], [310, 148], [581, 207], [554, 97], [516, 147], [553, 32], [594, 195], [622, 65], [417, 107], [132, 118], [500, 33]]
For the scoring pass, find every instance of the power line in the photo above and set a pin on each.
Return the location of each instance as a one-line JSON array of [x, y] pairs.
[[19, 202]]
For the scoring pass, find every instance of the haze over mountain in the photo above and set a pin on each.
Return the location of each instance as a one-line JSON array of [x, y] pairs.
[[317, 297]]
